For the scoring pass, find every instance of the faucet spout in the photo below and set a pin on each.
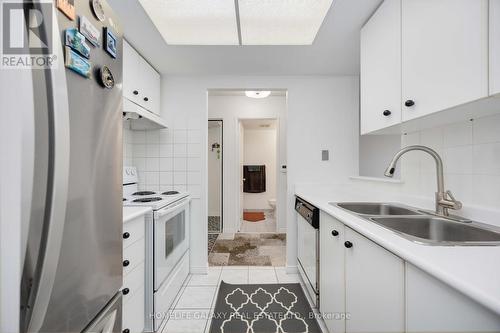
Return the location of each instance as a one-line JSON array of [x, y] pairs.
[[444, 199]]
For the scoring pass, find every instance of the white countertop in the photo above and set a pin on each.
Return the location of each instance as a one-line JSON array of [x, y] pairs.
[[132, 212], [473, 270]]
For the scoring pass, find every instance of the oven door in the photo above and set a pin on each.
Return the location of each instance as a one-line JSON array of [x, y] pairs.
[[171, 238]]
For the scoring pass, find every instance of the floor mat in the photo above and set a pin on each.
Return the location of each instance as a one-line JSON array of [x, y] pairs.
[[249, 249], [212, 238], [262, 308], [254, 216], [214, 224]]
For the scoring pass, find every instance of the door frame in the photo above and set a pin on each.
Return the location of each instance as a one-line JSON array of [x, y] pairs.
[[221, 172]]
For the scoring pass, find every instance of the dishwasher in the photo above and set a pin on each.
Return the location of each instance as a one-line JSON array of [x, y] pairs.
[[308, 247]]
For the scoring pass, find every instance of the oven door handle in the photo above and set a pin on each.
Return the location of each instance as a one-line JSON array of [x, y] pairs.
[[170, 209]]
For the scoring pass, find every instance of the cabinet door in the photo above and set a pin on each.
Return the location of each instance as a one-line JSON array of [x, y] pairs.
[[331, 284], [130, 72], [494, 47], [374, 278], [444, 54], [133, 312], [154, 90], [380, 78], [433, 306]]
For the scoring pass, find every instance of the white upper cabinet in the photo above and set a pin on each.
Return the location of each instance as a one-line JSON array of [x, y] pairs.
[[494, 47], [444, 54], [141, 82], [380, 77]]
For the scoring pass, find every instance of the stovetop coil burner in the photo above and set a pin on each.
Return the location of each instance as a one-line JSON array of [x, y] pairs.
[[144, 193], [153, 199], [170, 193]]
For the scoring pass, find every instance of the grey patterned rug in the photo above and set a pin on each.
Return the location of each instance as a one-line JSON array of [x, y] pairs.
[[214, 224], [262, 308]]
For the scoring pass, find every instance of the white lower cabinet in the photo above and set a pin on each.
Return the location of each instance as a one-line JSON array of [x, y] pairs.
[[374, 286], [380, 292], [433, 307], [332, 273], [133, 290], [360, 280]]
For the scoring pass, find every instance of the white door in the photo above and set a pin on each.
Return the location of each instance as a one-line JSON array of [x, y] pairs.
[[494, 47], [331, 283], [444, 54], [374, 286], [381, 68]]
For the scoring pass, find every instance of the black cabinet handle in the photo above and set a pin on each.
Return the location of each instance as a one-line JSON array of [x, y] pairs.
[[126, 263], [335, 233], [386, 113], [125, 291], [126, 330], [135, 92], [409, 103], [146, 99], [126, 235], [348, 244]]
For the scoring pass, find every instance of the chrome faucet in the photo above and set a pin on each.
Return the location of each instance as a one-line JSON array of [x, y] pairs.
[[444, 199]]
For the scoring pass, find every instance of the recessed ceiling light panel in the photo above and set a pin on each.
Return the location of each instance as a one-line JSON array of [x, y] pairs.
[[257, 93], [281, 22], [194, 22]]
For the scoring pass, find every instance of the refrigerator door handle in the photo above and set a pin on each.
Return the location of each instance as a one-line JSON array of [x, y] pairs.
[[58, 102]]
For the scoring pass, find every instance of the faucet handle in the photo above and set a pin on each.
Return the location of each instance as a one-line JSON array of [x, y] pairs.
[[456, 204]]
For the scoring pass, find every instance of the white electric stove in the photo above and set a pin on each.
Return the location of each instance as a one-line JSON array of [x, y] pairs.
[[167, 244]]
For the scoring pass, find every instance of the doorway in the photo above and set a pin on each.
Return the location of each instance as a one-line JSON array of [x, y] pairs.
[[254, 149], [215, 188], [258, 177]]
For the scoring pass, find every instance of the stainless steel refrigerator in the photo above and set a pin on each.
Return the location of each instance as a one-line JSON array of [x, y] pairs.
[[72, 249]]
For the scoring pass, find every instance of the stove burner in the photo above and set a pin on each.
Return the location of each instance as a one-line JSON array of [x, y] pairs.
[[147, 199], [170, 193], [144, 193]]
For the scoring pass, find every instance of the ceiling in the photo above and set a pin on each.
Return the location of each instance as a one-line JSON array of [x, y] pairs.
[[335, 50], [237, 22]]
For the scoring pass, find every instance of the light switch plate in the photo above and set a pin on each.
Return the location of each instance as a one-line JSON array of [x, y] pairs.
[[325, 155]]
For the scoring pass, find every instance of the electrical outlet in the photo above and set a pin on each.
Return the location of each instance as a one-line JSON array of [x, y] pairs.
[[325, 155]]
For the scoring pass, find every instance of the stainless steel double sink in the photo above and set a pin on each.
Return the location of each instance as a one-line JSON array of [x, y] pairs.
[[423, 227]]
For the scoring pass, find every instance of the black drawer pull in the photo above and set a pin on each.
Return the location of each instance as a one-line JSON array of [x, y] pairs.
[[409, 103], [335, 233], [126, 235], [146, 99], [348, 244], [126, 330], [386, 113], [126, 263], [125, 291], [135, 92]]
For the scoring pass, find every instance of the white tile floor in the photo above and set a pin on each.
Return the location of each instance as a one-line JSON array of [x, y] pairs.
[[196, 300]]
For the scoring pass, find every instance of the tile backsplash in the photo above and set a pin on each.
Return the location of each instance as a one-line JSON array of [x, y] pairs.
[[166, 159], [471, 155]]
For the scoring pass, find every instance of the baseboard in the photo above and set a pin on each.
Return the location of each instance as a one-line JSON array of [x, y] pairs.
[[292, 270], [199, 270]]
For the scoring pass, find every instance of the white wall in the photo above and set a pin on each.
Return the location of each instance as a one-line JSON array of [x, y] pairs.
[[232, 108], [471, 155], [375, 153], [214, 172], [322, 113], [260, 149]]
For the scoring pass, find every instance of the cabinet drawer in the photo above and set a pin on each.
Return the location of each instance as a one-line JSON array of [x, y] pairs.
[[133, 231], [134, 254], [134, 280], [133, 312]]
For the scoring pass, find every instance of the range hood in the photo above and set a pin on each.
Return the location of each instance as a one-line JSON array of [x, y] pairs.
[[140, 118]]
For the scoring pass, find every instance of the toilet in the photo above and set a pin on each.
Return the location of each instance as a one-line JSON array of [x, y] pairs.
[[272, 203]]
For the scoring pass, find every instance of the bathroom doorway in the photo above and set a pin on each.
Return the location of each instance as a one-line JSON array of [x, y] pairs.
[[215, 169], [258, 150]]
